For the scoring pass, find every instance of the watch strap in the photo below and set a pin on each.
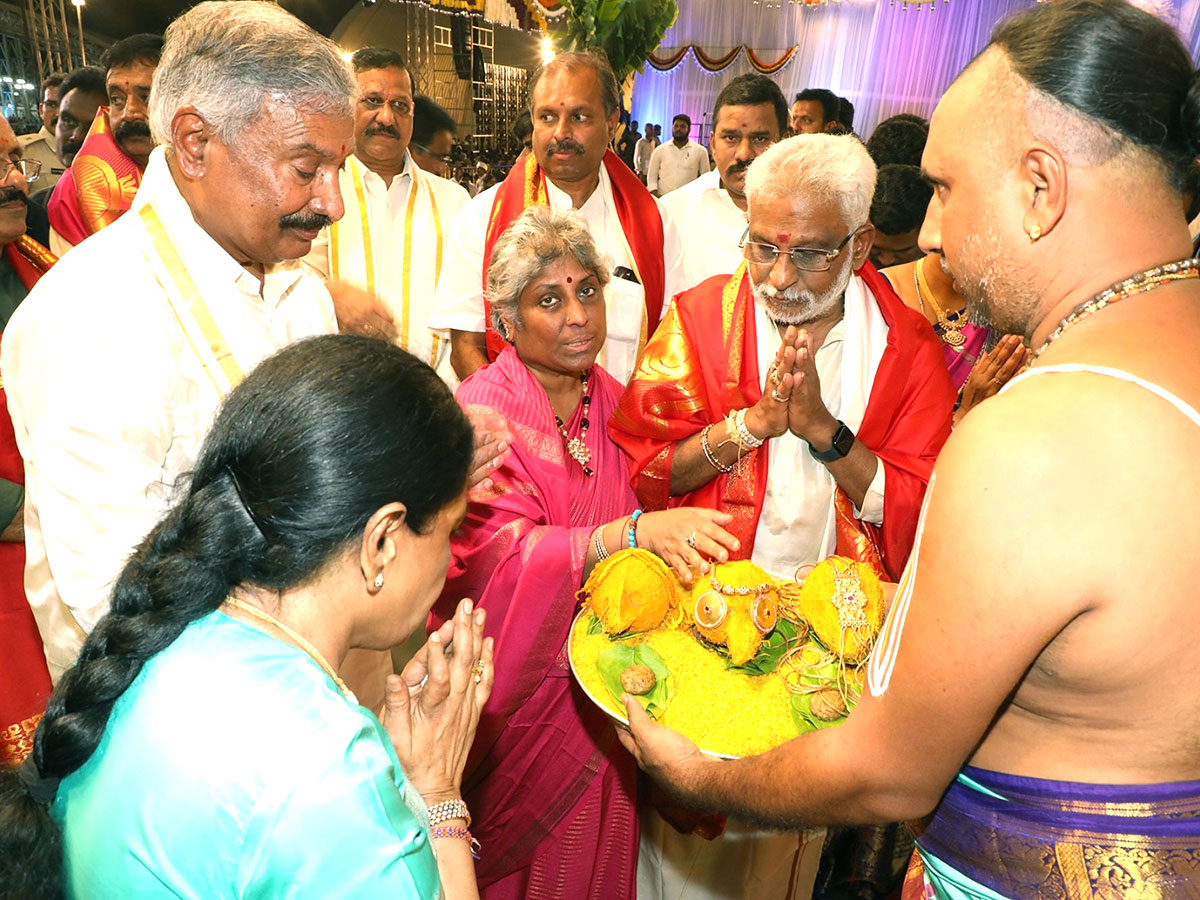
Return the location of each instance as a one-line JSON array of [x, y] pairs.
[[843, 440]]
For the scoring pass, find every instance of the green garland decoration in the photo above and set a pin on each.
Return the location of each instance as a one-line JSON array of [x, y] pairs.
[[626, 30]]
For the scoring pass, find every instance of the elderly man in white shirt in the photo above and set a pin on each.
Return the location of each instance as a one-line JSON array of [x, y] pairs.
[[749, 116], [116, 362], [392, 240], [677, 163], [574, 102]]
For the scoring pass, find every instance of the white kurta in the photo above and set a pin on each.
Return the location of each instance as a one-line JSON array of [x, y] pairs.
[[641, 155], [710, 227], [671, 167], [460, 294], [110, 404], [796, 528], [406, 246]]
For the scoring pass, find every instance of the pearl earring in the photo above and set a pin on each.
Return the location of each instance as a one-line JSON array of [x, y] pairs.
[[1034, 233], [379, 581]]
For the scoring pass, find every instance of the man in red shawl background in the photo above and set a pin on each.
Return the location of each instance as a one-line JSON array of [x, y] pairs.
[[24, 678], [107, 171], [575, 104], [803, 397]]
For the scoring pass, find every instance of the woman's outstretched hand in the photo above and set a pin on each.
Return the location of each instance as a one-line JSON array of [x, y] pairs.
[[687, 538], [432, 708]]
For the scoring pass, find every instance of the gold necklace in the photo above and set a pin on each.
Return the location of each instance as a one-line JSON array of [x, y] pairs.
[[1134, 284], [951, 334], [301, 642]]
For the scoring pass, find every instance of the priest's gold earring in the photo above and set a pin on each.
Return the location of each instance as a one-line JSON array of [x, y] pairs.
[[1035, 233]]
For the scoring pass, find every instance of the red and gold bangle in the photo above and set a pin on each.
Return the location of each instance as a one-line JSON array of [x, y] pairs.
[[459, 833]]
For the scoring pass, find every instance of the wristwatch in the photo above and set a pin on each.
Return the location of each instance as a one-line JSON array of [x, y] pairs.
[[843, 440]]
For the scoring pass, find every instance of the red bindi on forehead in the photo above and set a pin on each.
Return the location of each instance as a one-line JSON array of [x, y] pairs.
[[570, 280], [782, 238]]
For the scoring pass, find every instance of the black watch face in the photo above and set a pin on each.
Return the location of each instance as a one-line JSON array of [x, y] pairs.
[[843, 440]]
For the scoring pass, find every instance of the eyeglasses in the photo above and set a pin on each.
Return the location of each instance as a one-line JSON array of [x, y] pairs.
[[30, 168], [806, 259], [421, 148]]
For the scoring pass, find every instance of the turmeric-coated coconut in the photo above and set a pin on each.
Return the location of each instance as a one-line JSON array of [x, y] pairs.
[[842, 600], [726, 616], [631, 591]]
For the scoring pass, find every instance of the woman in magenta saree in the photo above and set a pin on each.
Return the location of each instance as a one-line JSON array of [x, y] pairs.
[[552, 792]]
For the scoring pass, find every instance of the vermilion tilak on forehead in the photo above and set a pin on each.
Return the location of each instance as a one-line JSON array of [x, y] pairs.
[[783, 237]]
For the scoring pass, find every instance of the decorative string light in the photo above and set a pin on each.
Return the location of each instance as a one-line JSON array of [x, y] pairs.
[[930, 5], [796, 2]]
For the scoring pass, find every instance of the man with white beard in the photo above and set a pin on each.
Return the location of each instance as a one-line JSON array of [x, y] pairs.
[[802, 396]]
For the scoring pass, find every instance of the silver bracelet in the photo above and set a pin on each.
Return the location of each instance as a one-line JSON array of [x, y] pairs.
[[708, 453], [601, 548], [745, 436]]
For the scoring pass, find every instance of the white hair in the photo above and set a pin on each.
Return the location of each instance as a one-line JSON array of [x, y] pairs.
[[829, 167], [227, 58]]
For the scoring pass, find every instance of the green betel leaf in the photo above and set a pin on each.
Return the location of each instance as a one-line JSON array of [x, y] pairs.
[[614, 660], [770, 651], [803, 717]]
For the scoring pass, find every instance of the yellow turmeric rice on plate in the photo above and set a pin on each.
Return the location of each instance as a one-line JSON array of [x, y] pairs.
[[727, 714]]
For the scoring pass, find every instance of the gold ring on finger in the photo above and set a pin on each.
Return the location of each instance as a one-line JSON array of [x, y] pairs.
[[778, 397], [691, 540], [477, 671]]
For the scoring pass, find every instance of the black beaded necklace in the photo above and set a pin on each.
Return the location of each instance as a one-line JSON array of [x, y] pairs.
[[576, 447]]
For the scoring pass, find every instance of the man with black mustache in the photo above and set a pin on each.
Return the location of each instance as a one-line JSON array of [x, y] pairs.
[[80, 95], [22, 260], [130, 68], [41, 144], [107, 170], [749, 116], [24, 681], [116, 362], [575, 104], [382, 258]]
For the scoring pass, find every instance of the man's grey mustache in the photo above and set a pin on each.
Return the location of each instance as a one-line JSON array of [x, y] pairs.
[[567, 145]]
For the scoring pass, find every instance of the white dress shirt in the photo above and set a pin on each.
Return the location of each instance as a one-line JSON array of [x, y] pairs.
[[460, 294], [641, 155], [43, 146], [797, 525], [387, 208], [672, 167], [710, 227], [110, 404]]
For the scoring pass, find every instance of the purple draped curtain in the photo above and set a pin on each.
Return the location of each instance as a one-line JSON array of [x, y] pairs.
[[884, 58]]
